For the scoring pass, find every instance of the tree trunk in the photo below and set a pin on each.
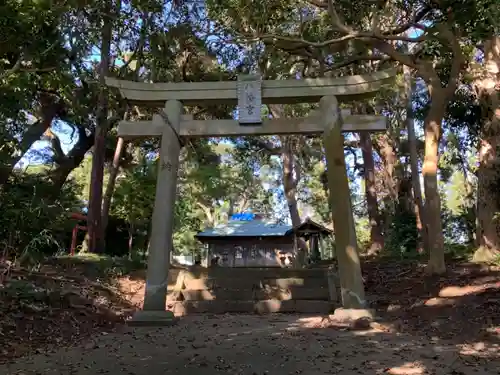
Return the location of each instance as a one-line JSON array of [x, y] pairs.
[[289, 181], [469, 204], [130, 241], [385, 148], [65, 164], [115, 166], [432, 207], [488, 196], [415, 174], [95, 197], [290, 188], [376, 237], [110, 188]]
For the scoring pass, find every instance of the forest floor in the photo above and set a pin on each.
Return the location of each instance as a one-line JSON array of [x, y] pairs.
[[69, 320]]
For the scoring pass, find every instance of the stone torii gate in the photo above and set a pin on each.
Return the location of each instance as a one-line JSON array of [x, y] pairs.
[[249, 93]]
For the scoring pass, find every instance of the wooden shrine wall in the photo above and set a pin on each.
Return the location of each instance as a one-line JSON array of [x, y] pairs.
[[266, 252]]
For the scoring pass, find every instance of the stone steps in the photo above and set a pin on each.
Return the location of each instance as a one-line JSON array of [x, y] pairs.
[[254, 283], [299, 293], [252, 273], [181, 308], [261, 291]]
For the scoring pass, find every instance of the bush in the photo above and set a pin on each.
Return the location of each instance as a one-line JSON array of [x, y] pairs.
[[35, 218], [402, 237]]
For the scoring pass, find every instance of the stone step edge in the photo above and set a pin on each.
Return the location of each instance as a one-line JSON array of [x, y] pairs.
[[246, 290], [182, 308]]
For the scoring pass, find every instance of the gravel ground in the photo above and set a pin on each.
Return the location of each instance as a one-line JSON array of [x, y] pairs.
[[257, 345]]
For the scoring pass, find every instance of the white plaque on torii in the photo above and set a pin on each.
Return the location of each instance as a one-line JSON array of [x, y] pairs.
[[249, 99]]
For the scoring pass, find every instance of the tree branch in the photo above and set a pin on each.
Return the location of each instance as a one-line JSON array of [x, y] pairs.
[[337, 22], [458, 57], [300, 42], [413, 23], [55, 143], [390, 51], [355, 59], [265, 146], [318, 3]]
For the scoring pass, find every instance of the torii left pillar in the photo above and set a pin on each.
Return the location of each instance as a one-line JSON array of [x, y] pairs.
[[154, 309]]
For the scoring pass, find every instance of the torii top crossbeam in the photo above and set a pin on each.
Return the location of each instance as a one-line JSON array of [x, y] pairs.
[[267, 92], [273, 91]]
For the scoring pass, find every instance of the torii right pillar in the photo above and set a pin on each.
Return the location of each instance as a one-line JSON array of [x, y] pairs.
[[351, 281]]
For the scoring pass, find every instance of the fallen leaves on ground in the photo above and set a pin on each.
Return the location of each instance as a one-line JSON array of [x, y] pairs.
[[41, 311], [461, 305], [60, 306]]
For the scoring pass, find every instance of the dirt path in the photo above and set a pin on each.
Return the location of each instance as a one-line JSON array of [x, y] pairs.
[[257, 345]]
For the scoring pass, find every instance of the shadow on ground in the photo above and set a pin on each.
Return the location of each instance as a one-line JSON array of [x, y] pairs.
[[272, 344], [462, 305]]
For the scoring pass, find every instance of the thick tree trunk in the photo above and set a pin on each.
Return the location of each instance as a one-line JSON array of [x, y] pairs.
[[96, 236], [110, 188], [415, 174], [488, 194], [115, 166], [290, 180], [432, 207], [385, 148], [65, 164], [376, 237]]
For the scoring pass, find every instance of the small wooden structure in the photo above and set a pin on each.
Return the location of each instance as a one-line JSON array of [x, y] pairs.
[[260, 243], [78, 217], [173, 127]]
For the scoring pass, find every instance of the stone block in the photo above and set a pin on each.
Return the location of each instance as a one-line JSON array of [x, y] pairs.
[[199, 284], [288, 283], [274, 306], [148, 318], [200, 307], [312, 307], [212, 307], [237, 306], [283, 283], [272, 293], [198, 295], [230, 294], [349, 315], [307, 293], [238, 283]]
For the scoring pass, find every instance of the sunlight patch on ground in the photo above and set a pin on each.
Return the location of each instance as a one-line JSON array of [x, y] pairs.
[[409, 368], [460, 291], [480, 349]]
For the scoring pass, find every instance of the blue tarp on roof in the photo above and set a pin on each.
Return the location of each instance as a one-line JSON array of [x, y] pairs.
[[245, 216], [255, 228]]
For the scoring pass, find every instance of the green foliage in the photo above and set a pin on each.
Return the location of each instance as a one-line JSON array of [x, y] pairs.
[[34, 220], [134, 200], [134, 195], [363, 233], [168, 41], [402, 237], [459, 250]]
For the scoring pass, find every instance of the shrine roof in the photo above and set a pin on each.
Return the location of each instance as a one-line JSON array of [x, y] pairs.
[[308, 226], [261, 228], [254, 228]]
